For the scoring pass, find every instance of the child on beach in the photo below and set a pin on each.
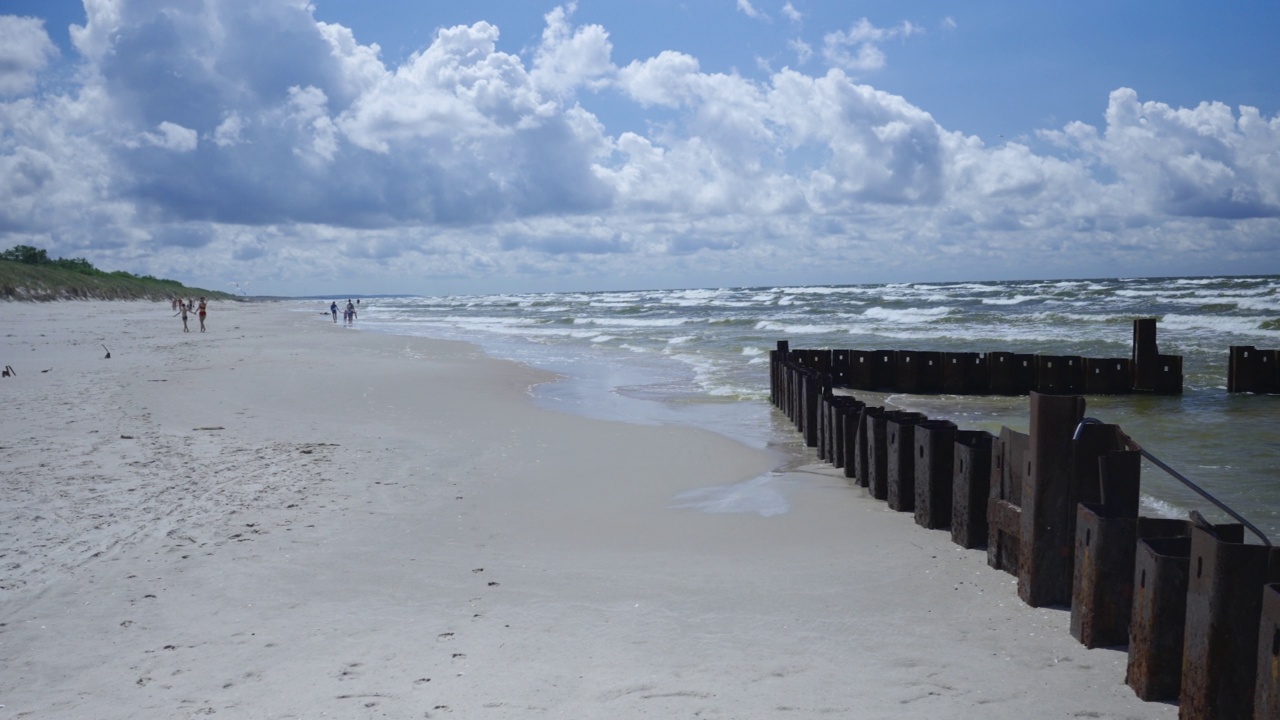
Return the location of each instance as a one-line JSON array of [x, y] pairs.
[[182, 310]]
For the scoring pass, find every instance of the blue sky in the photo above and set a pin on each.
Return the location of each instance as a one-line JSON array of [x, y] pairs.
[[423, 147]]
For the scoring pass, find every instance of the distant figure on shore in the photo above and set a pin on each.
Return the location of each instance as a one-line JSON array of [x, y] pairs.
[[182, 310], [173, 304], [350, 315], [333, 308], [200, 311]]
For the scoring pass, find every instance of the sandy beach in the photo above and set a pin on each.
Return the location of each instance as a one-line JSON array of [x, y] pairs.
[[284, 518]]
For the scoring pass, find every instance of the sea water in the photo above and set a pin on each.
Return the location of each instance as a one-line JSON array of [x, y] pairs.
[[700, 357]]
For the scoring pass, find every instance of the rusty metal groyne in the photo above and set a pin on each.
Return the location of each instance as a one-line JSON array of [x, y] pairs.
[[1058, 508], [1004, 373], [1252, 370]]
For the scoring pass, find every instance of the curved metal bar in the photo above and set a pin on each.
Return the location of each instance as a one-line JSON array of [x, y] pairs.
[[1180, 478]]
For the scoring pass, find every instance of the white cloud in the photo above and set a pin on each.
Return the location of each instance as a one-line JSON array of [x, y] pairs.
[[1206, 161], [25, 50], [173, 137], [804, 51], [229, 131], [467, 160], [569, 58], [792, 13], [746, 8], [858, 48]]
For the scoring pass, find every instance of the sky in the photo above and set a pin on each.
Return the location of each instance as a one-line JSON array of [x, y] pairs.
[[284, 147]]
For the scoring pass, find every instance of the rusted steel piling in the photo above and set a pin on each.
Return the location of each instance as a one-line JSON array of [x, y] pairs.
[[1105, 543], [900, 471], [1010, 465], [1058, 508], [1252, 370], [1153, 372], [878, 449], [965, 373], [857, 447], [971, 486], [1224, 609], [1048, 513], [935, 449], [1266, 698], [1060, 374], [1108, 376], [1158, 618], [1001, 373]]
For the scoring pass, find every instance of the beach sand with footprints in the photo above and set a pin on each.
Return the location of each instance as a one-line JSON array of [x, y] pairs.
[[282, 518]]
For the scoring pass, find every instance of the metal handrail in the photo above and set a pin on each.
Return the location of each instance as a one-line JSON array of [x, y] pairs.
[[1180, 478]]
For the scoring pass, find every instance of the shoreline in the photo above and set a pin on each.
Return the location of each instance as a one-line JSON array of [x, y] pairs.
[[302, 523]]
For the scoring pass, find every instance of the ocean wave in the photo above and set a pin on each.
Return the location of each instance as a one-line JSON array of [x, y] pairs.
[[786, 329], [1015, 300], [1270, 304], [906, 315], [633, 322], [1240, 325]]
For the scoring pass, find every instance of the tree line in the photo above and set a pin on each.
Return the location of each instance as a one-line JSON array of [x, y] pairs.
[[28, 255]]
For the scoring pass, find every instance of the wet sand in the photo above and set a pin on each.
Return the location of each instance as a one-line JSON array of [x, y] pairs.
[[284, 518]]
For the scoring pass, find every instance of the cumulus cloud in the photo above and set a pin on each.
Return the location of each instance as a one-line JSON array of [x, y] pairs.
[[803, 50], [172, 136], [792, 13], [25, 50], [746, 8], [858, 48], [1206, 161], [248, 138]]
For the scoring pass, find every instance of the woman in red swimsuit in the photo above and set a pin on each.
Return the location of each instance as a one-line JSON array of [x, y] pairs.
[[201, 309]]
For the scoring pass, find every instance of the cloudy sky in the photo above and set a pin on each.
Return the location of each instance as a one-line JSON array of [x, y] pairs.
[[414, 146]]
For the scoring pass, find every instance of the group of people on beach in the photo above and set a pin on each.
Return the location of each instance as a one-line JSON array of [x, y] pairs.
[[184, 307], [348, 315]]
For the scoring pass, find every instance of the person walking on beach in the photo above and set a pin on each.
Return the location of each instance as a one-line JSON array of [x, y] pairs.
[[351, 313], [182, 310], [333, 308], [200, 311]]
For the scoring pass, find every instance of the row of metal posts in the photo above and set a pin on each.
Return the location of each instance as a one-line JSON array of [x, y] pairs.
[[1007, 373], [1252, 370], [1058, 508]]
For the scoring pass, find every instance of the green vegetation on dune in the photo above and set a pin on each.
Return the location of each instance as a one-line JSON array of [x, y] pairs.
[[27, 273]]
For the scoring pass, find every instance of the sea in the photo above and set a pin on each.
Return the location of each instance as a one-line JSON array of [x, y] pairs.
[[700, 357]]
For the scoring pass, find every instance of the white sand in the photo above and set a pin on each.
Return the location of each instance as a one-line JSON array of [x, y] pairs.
[[281, 518]]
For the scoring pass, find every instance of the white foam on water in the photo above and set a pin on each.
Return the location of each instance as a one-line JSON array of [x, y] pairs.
[[761, 495], [771, 326], [1271, 304], [1159, 508], [633, 322], [1015, 300], [907, 315], [1243, 325]]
